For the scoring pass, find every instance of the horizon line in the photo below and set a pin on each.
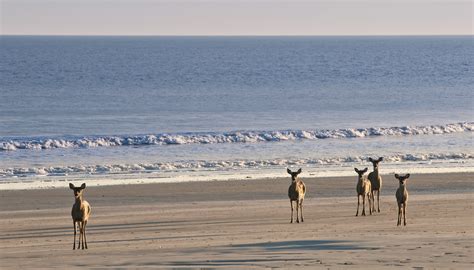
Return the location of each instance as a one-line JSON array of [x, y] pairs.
[[243, 35]]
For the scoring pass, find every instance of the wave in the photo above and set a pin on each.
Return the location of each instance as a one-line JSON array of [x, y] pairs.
[[220, 165], [230, 137]]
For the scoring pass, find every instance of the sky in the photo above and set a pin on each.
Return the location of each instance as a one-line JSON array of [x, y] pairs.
[[236, 17]]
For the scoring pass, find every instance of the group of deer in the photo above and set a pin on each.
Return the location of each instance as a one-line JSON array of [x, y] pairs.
[[366, 187]]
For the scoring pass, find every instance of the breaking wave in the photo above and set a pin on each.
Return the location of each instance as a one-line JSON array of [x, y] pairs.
[[218, 165], [229, 137]]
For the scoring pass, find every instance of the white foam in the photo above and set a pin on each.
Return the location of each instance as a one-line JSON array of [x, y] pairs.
[[193, 176], [231, 137], [222, 165]]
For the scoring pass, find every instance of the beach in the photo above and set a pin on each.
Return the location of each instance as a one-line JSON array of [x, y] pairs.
[[242, 224], [180, 121]]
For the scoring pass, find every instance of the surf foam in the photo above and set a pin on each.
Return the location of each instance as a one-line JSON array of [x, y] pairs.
[[229, 137], [222, 165]]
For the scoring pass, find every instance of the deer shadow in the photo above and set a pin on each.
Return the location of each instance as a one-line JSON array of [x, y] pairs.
[[300, 245]]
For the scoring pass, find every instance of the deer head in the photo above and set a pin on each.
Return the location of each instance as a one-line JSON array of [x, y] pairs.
[[375, 162], [78, 191], [294, 175], [360, 172], [402, 179]]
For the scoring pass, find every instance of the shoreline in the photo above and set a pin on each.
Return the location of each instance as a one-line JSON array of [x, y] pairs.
[[53, 182]]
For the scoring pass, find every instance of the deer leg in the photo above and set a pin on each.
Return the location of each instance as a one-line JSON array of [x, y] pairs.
[[373, 200], [80, 234], [378, 200], [297, 208], [85, 240], [363, 205], [301, 209], [74, 243], [81, 237], [358, 203], [405, 214], [370, 203], [291, 205], [399, 215]]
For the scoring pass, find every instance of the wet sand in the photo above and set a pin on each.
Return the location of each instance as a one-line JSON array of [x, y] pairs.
[[243, 224]]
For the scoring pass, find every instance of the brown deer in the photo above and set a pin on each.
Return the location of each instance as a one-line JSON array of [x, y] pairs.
[[80, 213], [402, 199], [376, 182], [296, 193], [364, 189]]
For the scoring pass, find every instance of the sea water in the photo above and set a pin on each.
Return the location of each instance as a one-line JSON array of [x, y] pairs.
[[136, 109]]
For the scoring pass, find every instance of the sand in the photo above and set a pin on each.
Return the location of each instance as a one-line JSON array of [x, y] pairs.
[[243, 224]]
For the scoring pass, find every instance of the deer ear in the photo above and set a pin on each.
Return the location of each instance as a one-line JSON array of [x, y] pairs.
[[356, 170], [407, 175], [71, 186], [299, 171], [370, 159], [397, 176], [83, 186], [288, 171], [380, 159], [365, 170]]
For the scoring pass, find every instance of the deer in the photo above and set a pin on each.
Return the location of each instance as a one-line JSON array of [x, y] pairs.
[[296, 193], [376, 182], [364, 189], [80, 213], [402, 199]]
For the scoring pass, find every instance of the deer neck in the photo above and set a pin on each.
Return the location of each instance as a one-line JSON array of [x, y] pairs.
[[78, 200], [376, 171], [402, 187], [294, 183]]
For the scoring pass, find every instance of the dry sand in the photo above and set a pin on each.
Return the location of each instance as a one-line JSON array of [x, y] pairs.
[[242, 224]]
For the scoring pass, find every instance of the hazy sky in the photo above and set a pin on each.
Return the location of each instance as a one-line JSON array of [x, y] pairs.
[[236, 17]]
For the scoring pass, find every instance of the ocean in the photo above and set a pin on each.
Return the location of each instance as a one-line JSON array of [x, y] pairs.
[[120, 110]]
